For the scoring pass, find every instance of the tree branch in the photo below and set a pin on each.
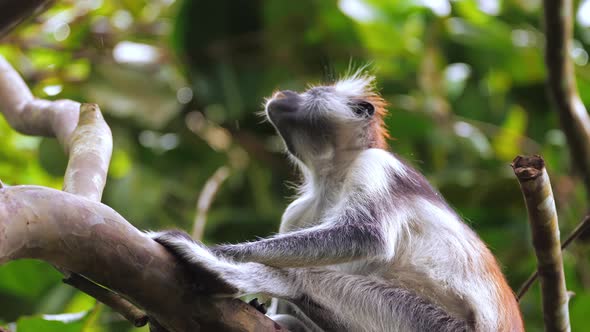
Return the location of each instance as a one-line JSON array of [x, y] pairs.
[[85, 137], [114, 254], [561, 82], [80, 129], [536, 189], [131, 312], [89, 238], [32, 116], [206, 198], [90, 148]]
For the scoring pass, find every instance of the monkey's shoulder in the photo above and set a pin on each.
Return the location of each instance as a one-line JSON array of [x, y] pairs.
[[382, 173]]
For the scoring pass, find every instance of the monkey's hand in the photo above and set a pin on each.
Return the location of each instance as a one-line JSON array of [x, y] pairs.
[[198, 260], [214, 274]]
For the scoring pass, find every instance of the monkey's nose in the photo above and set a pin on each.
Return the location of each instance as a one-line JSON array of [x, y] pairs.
[[284, 94], [284, 101]]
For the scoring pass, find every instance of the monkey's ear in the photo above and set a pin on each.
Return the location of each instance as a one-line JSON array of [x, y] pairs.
[[363, 108]]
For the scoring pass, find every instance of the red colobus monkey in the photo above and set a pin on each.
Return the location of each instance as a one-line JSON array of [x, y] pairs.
[[368, 245]]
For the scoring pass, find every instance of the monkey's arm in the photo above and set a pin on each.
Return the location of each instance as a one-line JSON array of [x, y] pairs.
[[321, 245], [315, 246]]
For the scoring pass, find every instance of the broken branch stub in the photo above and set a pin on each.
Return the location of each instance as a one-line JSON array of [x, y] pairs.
[[536, 189]]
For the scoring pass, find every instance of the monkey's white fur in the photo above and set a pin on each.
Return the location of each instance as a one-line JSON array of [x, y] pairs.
[[412, 249]]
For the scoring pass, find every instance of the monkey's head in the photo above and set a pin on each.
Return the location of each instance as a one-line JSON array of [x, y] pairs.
[[328, 121]]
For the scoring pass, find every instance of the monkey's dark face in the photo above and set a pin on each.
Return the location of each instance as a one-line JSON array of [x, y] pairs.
[[325, 120]]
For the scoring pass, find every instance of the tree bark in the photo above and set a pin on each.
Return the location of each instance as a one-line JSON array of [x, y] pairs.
[[561, 83]]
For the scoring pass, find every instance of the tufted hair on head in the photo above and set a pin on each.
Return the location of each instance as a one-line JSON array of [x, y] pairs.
[[361, 85]]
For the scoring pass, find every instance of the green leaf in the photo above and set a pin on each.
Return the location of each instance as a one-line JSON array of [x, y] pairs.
[[27, 278], [579, 305], [121, 163], [507, 142], [52, 157]]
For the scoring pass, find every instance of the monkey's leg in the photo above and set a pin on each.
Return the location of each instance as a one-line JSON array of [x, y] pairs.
[[364, 303]]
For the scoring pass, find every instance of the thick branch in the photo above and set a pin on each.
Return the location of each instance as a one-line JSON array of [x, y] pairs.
[[89, 238], [93, 240], [86, 138], [536, 189], [562, 84], [116, 255]]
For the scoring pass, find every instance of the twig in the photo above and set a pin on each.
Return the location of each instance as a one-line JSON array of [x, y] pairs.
[[206, 198], [536, 189], [133, 314], [561, 82], [582, 226]]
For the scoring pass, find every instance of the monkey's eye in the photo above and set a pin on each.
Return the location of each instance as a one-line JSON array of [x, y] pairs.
[[363, 108]]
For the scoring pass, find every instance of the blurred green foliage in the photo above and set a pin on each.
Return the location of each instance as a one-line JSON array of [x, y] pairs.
[[180, 83]]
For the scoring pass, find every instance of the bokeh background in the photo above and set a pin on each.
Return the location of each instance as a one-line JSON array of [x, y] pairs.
[[180, 83]]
